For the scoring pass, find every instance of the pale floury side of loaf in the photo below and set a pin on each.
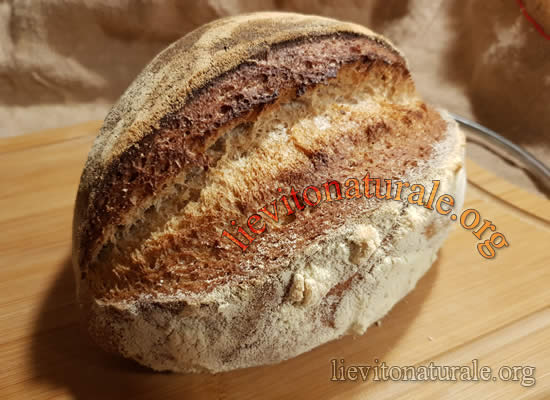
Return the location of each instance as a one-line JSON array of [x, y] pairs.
[[208, 133]]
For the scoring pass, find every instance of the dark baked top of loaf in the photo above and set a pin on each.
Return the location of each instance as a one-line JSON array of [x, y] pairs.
[[163, 140]]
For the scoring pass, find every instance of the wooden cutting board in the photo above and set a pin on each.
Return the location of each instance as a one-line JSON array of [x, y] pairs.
[[465, 308]]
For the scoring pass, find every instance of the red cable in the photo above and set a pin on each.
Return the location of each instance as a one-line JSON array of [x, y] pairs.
[[532, 20]]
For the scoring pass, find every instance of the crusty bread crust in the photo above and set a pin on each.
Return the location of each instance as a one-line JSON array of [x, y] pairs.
[[208, 133], [340, 284], [155, 105]]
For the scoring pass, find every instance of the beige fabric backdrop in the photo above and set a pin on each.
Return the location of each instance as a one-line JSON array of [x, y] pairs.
[[66, 61]]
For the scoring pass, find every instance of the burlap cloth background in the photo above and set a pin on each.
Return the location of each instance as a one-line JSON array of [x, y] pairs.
[[66, 61]]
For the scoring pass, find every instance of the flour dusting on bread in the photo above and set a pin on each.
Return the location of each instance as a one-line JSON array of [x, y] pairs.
[[208, 134]]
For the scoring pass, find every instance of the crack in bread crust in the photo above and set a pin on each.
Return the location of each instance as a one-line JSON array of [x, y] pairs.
[[188, 255], [179, 143]]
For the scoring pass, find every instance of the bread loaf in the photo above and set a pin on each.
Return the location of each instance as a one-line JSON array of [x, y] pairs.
[[224, 123]]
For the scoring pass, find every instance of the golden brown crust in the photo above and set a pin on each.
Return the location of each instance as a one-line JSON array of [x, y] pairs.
[[148, 139], [192, 257], [209, 132]]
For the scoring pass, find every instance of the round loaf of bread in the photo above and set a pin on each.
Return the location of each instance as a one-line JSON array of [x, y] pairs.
[[210, 141]]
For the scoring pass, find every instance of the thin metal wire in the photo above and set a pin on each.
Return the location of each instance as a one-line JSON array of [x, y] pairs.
[[525, 159]]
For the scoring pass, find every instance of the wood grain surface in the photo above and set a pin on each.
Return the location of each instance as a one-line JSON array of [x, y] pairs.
[[466, 307]]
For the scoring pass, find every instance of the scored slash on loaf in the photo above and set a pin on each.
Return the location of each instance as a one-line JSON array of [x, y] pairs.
[[205, 135]]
